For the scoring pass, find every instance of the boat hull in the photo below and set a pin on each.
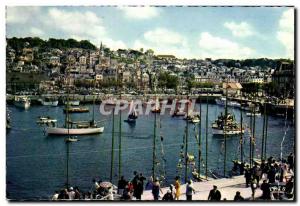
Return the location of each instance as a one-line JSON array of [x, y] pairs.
[[231, 132], [73, 102], [53, 103], [71, 131], [24, 105]]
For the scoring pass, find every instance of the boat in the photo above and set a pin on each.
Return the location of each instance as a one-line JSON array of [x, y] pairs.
[[75, 128], [249, 114], [222, 101], [72, 102], [45, 120], [231, 127], [131, 117], [76, 109], [195, 119], [8, 121], [49, 101], [178, 112], [73, 131], [22, 102], [71, 139]]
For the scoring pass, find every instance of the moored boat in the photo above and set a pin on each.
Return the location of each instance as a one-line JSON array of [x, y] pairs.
[[49, 101], [46, 120], [222, 101], [22, 102], [73, 131], [76, 109]]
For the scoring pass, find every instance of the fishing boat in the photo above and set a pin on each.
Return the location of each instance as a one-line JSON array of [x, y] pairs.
[[45, 120], [221, 101], [22, 102], [49, 101], [230, 128], [76, 109]]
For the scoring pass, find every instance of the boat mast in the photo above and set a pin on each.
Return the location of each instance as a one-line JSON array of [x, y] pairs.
[[199, 141], [112, 145], [120, 132], [225, 128], [154, 135], [186, 144], [241, 138], [263, 134], [206, 139], [67, 123]]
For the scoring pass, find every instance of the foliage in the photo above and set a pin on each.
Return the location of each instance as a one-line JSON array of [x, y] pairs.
[[165, 80]]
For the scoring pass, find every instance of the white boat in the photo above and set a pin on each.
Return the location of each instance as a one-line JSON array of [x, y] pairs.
[[222, 101], [73, 102], [195, 119], [73, 131], [22, 102], [46, 120], [48, 101], [249, 114]]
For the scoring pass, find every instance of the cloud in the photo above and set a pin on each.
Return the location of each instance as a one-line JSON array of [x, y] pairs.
[[242, 29], [140, 12], [36, 31], [217, 47], [20, 14], [164, 41], [285, 33]]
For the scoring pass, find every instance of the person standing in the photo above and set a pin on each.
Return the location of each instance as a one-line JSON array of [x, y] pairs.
[[189, 191], [290, 161], [253, 185], [138, 191], [238, 197], [156, 189], [265, 187], [168, 196], [121, 185], [177, 188], [214, 194], [247, 175]]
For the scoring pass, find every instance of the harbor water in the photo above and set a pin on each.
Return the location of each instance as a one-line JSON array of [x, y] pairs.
[[36, 163]]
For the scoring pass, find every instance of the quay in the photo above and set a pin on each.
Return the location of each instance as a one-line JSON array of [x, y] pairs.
[[227, 187]]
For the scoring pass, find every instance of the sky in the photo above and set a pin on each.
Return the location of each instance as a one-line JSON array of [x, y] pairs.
[[186, 32]]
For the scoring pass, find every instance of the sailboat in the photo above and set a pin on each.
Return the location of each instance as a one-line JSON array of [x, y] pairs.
[[75, 128]]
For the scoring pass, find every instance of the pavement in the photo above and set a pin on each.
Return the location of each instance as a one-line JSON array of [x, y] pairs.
[[227, 187]]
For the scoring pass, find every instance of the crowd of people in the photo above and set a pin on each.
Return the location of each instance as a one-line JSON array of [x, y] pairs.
[[271, 174]]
